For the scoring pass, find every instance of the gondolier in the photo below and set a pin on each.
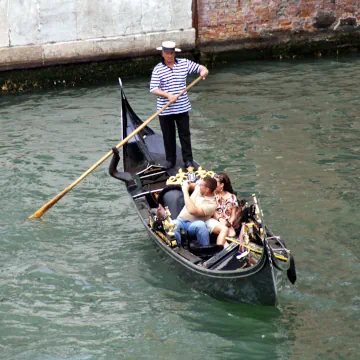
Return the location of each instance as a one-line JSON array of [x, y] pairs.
[[167, 80]]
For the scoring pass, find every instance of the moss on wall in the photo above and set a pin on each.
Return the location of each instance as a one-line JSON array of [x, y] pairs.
[[71, 75]]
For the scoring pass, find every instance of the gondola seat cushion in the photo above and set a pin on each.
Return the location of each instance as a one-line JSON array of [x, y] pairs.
[[172, 197]]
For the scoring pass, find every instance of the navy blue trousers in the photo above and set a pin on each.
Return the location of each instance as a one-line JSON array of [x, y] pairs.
[[168, 124]]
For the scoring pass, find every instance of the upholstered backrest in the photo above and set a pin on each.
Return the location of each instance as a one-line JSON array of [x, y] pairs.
[[172, 197]]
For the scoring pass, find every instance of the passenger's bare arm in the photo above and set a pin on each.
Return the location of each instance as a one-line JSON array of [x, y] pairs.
[[190, 206]]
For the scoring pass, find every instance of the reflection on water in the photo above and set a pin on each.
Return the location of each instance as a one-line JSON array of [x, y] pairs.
[[84, 282]]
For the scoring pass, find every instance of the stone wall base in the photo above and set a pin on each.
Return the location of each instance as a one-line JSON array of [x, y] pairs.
[[275, 45], [75, 75], [19, 57]]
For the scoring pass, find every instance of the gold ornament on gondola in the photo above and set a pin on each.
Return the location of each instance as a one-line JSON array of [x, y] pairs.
[[168, 224], [248, 229], [258, 217], [190, 174], [257, 209]]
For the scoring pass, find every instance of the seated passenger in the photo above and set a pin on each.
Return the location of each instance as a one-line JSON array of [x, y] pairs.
[[221, 222], [199, 207]]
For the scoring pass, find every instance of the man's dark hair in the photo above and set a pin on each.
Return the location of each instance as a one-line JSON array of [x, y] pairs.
[[210, 183]]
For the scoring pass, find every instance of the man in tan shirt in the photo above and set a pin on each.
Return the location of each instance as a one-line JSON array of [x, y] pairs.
[[199, 207]]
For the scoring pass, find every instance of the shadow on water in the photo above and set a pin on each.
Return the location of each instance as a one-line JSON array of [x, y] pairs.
[[249, 331], [238, 330]]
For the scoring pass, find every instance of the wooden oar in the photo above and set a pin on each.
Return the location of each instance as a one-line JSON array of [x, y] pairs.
[[53, 201]]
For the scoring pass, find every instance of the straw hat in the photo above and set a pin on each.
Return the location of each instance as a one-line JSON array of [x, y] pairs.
[[168, 46]]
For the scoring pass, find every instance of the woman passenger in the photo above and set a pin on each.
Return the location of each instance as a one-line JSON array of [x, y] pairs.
[[221, 222]]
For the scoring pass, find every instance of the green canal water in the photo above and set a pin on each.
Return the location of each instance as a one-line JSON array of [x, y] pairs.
[[85, 283]]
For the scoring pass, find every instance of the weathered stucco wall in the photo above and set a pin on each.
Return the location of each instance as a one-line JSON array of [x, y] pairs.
[[246, 24], [42, 32]]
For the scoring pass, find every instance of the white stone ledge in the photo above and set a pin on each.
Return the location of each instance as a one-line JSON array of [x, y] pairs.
[[94, 49]]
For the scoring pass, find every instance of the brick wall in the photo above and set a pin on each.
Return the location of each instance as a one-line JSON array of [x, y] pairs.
[[224, 20]]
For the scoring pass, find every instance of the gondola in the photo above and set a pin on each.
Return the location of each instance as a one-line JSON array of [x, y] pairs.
[[251, 273]]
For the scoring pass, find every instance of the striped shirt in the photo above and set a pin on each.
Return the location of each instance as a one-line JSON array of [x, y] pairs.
[[173, 81]]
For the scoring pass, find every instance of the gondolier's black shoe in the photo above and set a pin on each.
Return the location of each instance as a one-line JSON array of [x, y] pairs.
[[169, 165], [188, 164]]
